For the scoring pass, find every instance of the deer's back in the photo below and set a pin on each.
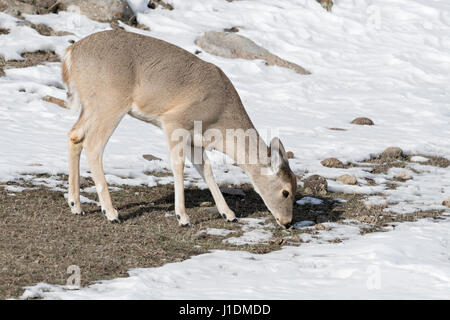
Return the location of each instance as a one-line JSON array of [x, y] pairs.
[[149, 73]]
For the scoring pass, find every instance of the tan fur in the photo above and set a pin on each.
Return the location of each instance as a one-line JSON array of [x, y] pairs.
[[114, 73]]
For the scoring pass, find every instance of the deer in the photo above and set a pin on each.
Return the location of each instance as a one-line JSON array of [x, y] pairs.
[[114, 73]]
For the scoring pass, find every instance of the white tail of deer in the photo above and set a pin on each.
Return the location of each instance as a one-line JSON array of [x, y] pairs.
[[113, 73]]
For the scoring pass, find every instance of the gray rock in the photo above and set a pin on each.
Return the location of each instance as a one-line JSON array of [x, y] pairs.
[[234, 46], [326, 4], [392, 153], [100, 10], [150, 157], [403, 176], [347, 179], [15, 7], [332, 163], [363, 121], [153, 4]]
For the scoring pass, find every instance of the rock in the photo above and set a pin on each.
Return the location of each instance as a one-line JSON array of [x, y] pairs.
[[326, 4], [153, 4], [392, 153], [234, 46], [16, 8], [315, 185], [206, 204], [337, 129], [446, 202], [363, 121], [290, 155], [320, 226], [347, 179], [232, 29], [150, 157], [332, 163], [101, 10], [403, 175]]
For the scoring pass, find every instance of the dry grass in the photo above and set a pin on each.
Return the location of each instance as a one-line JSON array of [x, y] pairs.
[[39, 238]]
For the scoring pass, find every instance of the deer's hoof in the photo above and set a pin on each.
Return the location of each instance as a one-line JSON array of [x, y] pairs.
[[116, 221]]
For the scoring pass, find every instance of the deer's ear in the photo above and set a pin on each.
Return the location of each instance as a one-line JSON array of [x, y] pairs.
[[278, 156]]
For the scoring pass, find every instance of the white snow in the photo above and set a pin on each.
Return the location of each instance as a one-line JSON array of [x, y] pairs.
[[218, 232], [309, 200], [419, 159], [385, 60], [255, 231]]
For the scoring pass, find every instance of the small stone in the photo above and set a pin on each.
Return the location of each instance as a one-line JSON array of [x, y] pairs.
[[403, 175], [206, 204], [326, 4], [363, 121], [347, 179], [290, 155], [232, 29], [446, 202], [150, 157], [320, 226], [337, 129], [315, 184], [332, 163], [392, 153], [35, 165]]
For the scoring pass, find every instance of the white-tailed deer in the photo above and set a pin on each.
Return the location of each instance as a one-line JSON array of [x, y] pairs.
[[114, 73]]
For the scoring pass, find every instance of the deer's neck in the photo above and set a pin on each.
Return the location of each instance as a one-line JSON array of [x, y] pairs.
[[246, 147]]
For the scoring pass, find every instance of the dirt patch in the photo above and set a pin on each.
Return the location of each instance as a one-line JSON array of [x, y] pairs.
[[47, 31], [40, 238], [4, 31], [433, 161], [30, 59]]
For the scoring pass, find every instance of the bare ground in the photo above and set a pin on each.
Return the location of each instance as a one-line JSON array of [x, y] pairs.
[[40, 238]]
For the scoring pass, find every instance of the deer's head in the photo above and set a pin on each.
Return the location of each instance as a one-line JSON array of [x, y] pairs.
[[277, 185]]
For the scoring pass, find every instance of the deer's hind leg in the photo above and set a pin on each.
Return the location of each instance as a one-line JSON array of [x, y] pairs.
[[96, 124], [75, 138]]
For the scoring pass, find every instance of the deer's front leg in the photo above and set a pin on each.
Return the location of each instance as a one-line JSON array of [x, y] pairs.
[[202, 164]]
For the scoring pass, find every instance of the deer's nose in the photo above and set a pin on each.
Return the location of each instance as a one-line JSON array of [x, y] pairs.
[[287, 225]]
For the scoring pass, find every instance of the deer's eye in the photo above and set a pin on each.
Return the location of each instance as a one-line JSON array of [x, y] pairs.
[[285, 193]]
